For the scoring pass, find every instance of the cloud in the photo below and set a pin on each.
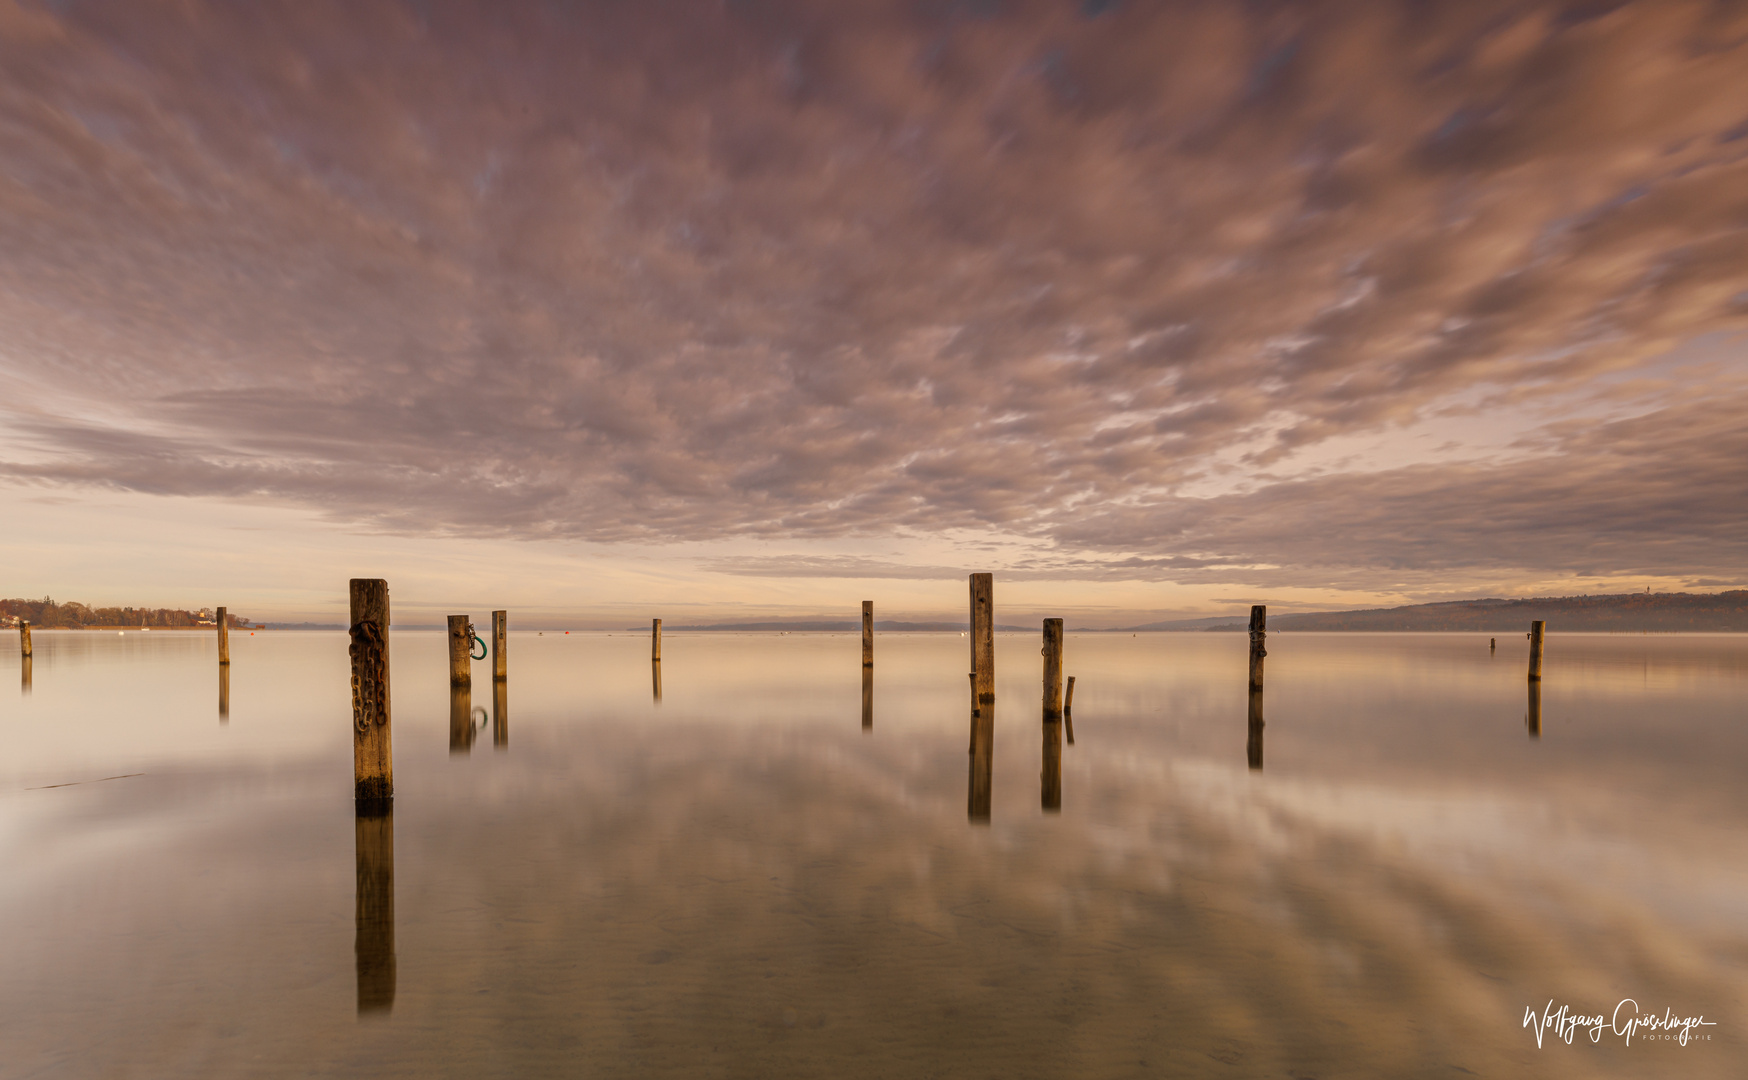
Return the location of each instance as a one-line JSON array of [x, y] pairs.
[[789, 270]]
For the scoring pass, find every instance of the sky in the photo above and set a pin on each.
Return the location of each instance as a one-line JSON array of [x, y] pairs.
[[727, 309]]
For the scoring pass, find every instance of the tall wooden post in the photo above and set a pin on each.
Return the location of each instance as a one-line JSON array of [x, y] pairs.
[[983, 639], [867, 633], [24, 638], [1538, 629], [868, 697], [1253, 747], [1052, 670], [500, 632], [224, 693], [1050, 777], [1532, 718], [1258, 633], [224, 634], [373, 940], [500, 714], [372, 730], [460, 651], [655, 639]]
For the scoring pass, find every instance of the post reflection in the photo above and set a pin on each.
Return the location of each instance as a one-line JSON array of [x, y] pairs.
[[655, 674], [460, 719], [982, 763], [1050, 779], [501, 714], [24, 676], [867, 698], [374, 942], [1253, 748], [224, 693], [1532, 719]]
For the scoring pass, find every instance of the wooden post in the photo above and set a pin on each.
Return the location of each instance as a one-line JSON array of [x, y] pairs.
[[1538, 629], [1253, 748], [500, 714], [460, 718], [224, 634], [867, 633], [983, 638], [1532, 719], [460, 651], [24, 676], [1258, 633], [1492, 644], [374, 920], [24, 638], [1068, 710], [372, 728], [655, 674], [655, 639], [982, 757], [500, 631], [224, 693], [1052, 670], [868, 697], [1050, 778]]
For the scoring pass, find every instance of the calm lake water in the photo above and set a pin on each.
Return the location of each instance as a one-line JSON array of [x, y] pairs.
[[744, 880]]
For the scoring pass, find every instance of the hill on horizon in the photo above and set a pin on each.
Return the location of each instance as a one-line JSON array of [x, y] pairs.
[[1724, 612]]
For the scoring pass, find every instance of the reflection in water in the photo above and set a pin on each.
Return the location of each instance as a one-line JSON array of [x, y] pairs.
[[982, 755], [1532, 719], [1253, 749], [460, 718], [501, 714], [24, 676], [1050, 779], [225, 693], [374, 942], [867, 697], [655, 674]]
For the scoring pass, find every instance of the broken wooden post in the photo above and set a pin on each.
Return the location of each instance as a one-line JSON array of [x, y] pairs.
[[224, 637], [1532, 718], [24, 638], [372, 732], [1258, 633], [983, 639], [373, 940], [460, 651], [867, 633], [500, 714], [1052, 670], [1537, 629], [1068, 710], [500, 631], [655, 639], [868, 697]]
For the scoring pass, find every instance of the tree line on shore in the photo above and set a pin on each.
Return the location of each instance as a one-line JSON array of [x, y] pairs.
[[72, 615]]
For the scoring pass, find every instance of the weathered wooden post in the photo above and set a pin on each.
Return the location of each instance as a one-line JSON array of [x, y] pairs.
[[867, 633], [500, 632], [460, 718], [1538, 629], [983, 640], [1052, 670], [1258, 634], [372, 730], [1253, 748], [460, 651], [1050, 778], [1492, 644], [655, 639], [224, 636], [655, 674], [224, 693], [24, 675], [373, 940], [24, 639], [500, 714], [1532, 719], [868, 698], [982, 758], [1068, 710]]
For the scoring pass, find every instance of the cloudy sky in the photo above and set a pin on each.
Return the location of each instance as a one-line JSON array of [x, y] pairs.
[[727, 308]]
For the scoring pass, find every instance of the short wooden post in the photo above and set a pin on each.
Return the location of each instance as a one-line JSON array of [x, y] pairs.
[[500, 632], [372, 728], [983, 638], [1258, 634], [868, 697], [1052, 670], [1050, 777], [1068, 710], [224, 636], [1532, 718], [24, 638], [655, 639], [1492, 644], [461, 718], [867, 633], [224, 693], [460, 651], [1253, 748], [500, 714], [373, 940], [1538, 629]]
